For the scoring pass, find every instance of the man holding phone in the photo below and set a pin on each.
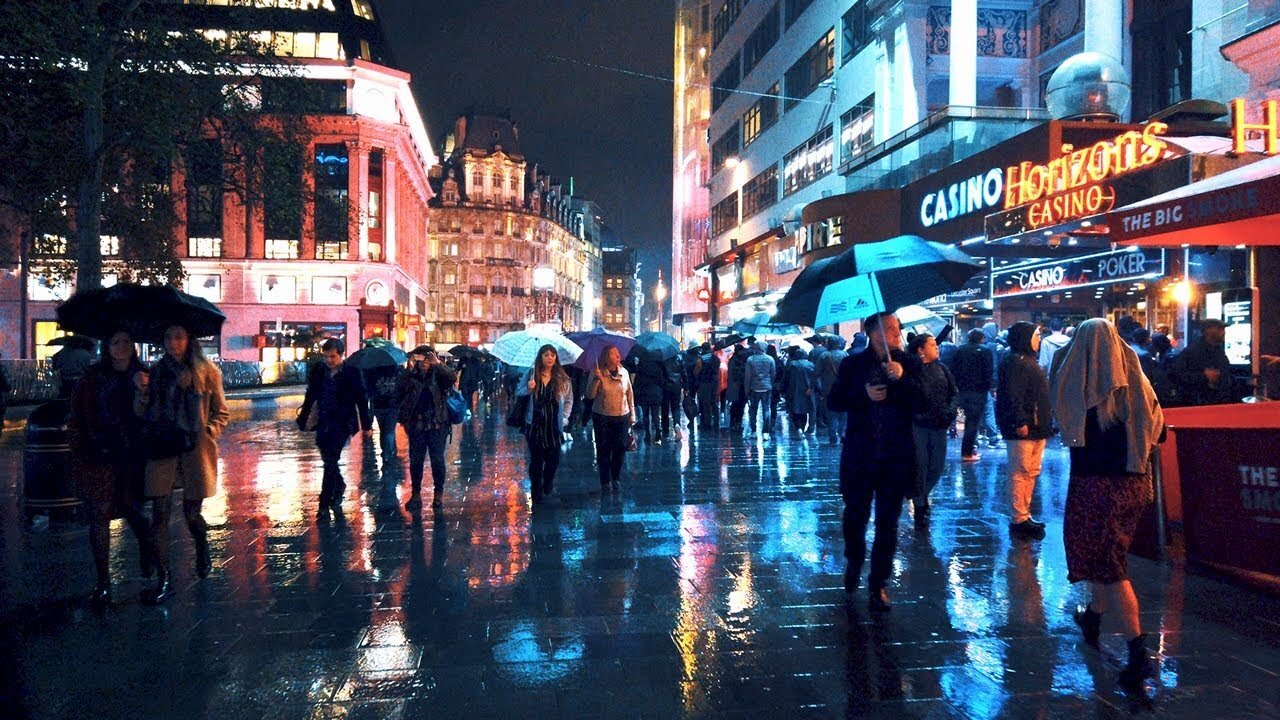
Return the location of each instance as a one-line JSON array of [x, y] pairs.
[[877, 462], [423, 392]]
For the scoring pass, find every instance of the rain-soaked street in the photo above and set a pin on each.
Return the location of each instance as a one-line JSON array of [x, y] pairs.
[[709, 585]]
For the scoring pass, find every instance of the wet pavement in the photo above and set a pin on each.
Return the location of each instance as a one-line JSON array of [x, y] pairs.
[[709, 585]]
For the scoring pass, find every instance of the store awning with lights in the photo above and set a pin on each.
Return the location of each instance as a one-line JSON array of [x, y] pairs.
[[1238, 207]]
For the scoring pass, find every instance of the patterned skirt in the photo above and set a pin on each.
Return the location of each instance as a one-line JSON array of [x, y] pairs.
[[1101, 515]]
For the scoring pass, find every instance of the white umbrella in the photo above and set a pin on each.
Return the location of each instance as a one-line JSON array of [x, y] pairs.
[[520, 347], [919, 319]]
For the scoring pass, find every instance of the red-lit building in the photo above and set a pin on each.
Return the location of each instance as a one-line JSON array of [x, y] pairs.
[[351, 266]]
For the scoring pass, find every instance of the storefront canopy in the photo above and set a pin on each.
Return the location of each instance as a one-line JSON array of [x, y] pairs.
[[1238, 207]]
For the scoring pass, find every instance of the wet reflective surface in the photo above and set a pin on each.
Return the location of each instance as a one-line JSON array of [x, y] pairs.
[[708, 586]]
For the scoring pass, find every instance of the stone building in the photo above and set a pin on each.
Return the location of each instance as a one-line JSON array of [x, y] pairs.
[[622, 293], [349, 266], [510, 246]]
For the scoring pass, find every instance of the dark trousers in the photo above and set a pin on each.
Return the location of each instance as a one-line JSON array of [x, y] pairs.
[[861, 484], [670, 411], [651, 421], [424, 444], [612, 438], [543, 463], [974, 405], [931, 460], [709, 406], [737, 408], [690, 403], [331, 443], [386, 418]]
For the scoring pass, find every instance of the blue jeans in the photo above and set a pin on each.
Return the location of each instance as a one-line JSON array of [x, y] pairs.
[[989, 426], [837, 424], [760, 408], [386, 418]]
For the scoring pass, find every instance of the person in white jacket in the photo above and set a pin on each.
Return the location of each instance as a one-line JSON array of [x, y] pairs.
[[1051, 344]]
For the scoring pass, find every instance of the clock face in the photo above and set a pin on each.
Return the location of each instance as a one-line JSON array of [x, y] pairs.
[[376, 293]]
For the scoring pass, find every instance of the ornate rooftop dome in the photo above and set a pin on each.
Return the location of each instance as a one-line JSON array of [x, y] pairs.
[[1089, 86]]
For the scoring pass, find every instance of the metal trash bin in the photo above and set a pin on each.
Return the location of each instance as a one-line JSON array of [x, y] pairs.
[[46, 464]]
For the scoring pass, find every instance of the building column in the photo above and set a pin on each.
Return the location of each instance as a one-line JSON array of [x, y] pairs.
[[964, 53], [357, 197], [307, 243], [1104, 28], [390, 186]]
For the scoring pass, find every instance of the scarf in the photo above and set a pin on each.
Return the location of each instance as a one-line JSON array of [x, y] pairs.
[[1101, 372]]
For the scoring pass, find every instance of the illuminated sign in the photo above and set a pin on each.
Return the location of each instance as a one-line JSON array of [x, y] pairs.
[[1029, 182], [967, 196], [1240, 128], [1105, 268]]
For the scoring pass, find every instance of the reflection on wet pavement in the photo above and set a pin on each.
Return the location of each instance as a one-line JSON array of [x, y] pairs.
[[709, 586]]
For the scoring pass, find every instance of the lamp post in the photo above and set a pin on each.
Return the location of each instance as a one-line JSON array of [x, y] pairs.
[[660, 295]]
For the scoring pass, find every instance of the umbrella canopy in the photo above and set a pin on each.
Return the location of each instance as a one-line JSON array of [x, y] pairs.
[[822, 338], [144, 311], [464, 351], [728, 340], [660, 344], [73, 341], [918, 319], [520, 347], [874, 277], [762, 323], [376, 356], [593, 344]]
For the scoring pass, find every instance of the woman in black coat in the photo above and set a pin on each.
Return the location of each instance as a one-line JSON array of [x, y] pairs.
[[933, 410], [336, 408]]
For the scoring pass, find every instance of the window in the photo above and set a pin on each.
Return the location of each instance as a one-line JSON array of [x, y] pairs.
[[208, 287], [729, 12], [724, 216], [477, 307], [760, 41], [362, 9], [724, 148], [726, 82], [450, 276], [1162, 54], [812, 68], [760, 192], [795, 8], [288, 341], [450, 304], [449, 247], [42, 288], [282, 193], [858, 128], [109, 245], [329, 290], [375, 210], [761, 116], [204, 247], [281, 289], [277, 249], [204, 189], [855, 31], [808, 162], [49, 245], [331, 209]]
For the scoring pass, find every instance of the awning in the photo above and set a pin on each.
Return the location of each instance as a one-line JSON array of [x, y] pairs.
[[1238, 207]]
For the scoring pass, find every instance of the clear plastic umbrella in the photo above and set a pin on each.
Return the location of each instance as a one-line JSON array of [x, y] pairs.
[[519, 348]]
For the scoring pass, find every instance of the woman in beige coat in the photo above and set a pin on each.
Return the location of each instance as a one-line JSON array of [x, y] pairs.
[[183, 410]]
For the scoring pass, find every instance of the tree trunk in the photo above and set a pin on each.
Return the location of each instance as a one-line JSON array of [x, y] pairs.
[[89, 205]]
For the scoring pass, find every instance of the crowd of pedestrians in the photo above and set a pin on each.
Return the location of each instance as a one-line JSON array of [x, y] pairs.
[[892, 402]]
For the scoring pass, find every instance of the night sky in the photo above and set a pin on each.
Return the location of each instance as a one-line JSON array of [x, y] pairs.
[[608, 129]]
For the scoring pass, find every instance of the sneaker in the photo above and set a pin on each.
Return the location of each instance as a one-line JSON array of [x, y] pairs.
[[997, 445], [1090, 624], [1026, 530], [970, 458], [1036, 523]]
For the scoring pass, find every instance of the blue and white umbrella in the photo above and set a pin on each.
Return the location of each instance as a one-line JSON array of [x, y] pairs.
[[520, 347], [874, 277]]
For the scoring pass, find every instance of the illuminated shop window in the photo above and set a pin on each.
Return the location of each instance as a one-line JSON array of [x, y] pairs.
[[43, 288], [49, 245], [204, 247], [207, 286], [281, 249], [109, 245]]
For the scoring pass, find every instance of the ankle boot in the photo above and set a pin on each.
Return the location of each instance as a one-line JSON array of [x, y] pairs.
[[203, 563], [158, 594], [1140, 666], [1090, 622]]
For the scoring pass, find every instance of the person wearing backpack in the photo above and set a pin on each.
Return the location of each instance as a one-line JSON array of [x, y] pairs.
[[423, 391]]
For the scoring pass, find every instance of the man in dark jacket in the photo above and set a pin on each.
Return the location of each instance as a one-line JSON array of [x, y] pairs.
[[708, 389], [335, 407], [1202, 371], [380, 388], [650, 387], [737, 385], [1026, 422], [878, 459], [973, 367], [827, 372]]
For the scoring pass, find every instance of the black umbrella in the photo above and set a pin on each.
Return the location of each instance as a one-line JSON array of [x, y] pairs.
[[874, 277], [728, 340], [376, 356], [762, 323], [464, 351], [79, 342], [661, 343], [143, 311]]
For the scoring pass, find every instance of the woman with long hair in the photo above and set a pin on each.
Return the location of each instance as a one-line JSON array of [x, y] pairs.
[[1111, 420], [550, 393], [105, 439], [933, 410], [183, 411], [613, 415]]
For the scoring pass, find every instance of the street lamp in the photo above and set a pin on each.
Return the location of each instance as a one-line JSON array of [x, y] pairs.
[[660, 295]]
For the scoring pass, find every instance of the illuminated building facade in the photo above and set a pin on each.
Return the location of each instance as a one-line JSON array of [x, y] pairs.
[[691, 219], [495, 221], [623, 297], [352, 264]]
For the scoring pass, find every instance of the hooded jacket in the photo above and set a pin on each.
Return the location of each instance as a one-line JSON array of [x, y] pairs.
[[760, 370], [1022, 391]]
